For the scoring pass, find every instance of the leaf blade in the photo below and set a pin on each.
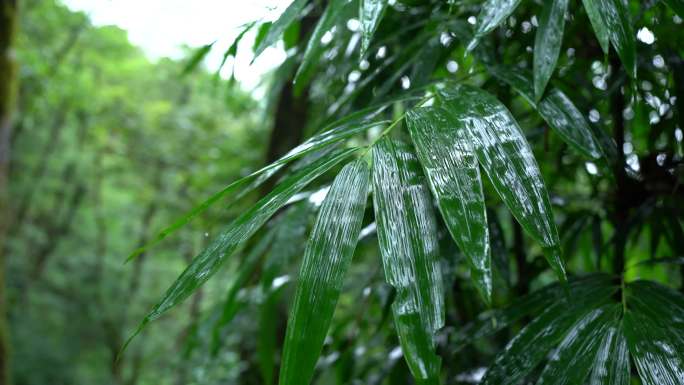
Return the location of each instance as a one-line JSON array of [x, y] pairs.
[[370, 14], [336, 232], [279, 26], [547, 43], [492, 14], [597, 23]]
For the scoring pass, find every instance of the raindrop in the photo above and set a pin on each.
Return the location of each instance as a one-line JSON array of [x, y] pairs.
[[571, 52], [445, 39], [534, 21], [395, 354], [627, 147], [364, 65], [327, 37], [679, 135], [354, 76], [452, 66], [645, 36], [353, 25], [594, 116], [660, 159], [382, 52], [658, 61], [526, 26], [472, 20], [677, 19], [628, 113], [591, 168], [653, 118], [206, 235], [646, 85], [405, 82], [633, 162]]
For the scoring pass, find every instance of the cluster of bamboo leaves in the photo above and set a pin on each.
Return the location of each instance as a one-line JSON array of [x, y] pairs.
[[586, 330]]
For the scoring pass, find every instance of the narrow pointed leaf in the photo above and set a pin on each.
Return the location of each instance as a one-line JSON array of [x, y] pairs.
[[677, 6], [547, 43], [611, 364], [370, 14], [407, 233], [492, 14], [556, 109], [334, 134], [597, 23], [572, 360], [232, 50], [197, 58], [527, 349], [450, 163], [208, 262], [327, 257], [509, 162], [291, 13], [618, 23]]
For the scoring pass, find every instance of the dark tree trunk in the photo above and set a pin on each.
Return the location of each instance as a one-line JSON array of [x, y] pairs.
[[8, 22]]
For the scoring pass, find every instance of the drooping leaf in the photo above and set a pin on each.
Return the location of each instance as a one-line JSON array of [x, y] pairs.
[[492, 14], [334, 133], [556, 109], [291, 13], [232, 50], [526, 350], [327, 257], [208, 261], [507, 159], [597, 23], [547, 43], [572, 360], [450, 163], [677, 6], [312, 52], [618, 23], [196, 58], [407, 235], [370, 14]]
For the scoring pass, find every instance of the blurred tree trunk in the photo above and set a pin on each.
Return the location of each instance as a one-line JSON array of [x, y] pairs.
[[8, 21]]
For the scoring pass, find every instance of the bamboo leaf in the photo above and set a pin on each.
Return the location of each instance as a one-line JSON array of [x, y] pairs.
[[452, 169], [196, 58], [408, 245], [556, 109], [370, 14], [611, 365], [547, 43], [292, 12], [327, 257], [617, 20], [506, 157], [208, 261], [597, 23], [492, 14]]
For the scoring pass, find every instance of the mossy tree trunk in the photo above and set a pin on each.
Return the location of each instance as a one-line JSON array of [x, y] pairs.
[[8, 21]]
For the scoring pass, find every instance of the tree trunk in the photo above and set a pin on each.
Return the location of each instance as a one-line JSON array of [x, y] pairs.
[[8, 22]]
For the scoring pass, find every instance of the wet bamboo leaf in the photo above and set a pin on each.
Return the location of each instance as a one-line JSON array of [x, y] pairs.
[[332, 134], [597, 23], [370, 14], [547, 43], [526, 350], [677, 6], [232, 50], [617, 21], [327, 257], [572, 360], [509, 162], [408, 244], [197, 58], [492, 14], [450, 163], [208, 261], [291, 13], [556, 109], [611, 365]]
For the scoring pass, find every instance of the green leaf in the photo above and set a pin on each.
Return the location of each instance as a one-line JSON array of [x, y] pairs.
[[407, 234], [291, 13], [524, 352], [507, 159], [334, 133], [677, 6], [196, 58], [312, 52], [327, 257], [556, 109], [450, 163], [370, 14], [617, 20], [492, 14], [232, 50], [547, 43], [600, 28], [208, 261], [573, 359], [611, 364]]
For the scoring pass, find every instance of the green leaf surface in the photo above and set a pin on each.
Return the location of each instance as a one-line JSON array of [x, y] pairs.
[[618, 23], [327, 257], [370, 14], [572, 360], [196, 58], [547, 43], [556, 109], [450, 163], [506, 157], [677, 6], [597, 23], [232, 50], [291, 13], [407, 234], [492, 14], [208, 261], [527, 349], [611, 364]]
